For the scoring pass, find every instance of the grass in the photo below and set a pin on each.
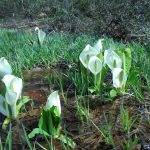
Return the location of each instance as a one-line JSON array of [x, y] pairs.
[[127, 122], [22, 50], [106, 132]]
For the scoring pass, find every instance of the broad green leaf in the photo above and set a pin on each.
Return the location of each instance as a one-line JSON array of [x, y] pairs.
[[127, 60], [22, 102], [5, 123], [50, 121], [126, 57], [113, 93], [91, 89], [37, 131]]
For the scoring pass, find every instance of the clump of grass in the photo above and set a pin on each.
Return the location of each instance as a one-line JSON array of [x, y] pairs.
[[23, 51], [22, 48], [106, 132]]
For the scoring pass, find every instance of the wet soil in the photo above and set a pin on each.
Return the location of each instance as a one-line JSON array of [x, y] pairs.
[[84, 132]]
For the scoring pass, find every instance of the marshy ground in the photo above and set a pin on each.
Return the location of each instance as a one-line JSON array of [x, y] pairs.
[[91, 121]]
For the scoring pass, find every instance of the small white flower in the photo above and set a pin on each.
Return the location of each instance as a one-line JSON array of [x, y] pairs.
[[95, 65], [85, 55], [13, 91], [5, 67], [112, 59], [54, 100], [119, 77]]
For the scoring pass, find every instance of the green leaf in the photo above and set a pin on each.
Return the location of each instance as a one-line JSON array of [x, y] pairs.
[[50, 121], [67, 140], [91, 89], [113, 93], [133, 78], [22, 102], [135, 84], [127, 60], [37, 131], [5, 123]]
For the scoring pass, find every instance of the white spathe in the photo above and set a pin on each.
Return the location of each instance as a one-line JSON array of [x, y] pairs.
[[13, 91], [3, 108], [99, 46], [54, 100], [112, 59], [5, 67], [41, 35], [95, 65], [119, 77], [85, 55]]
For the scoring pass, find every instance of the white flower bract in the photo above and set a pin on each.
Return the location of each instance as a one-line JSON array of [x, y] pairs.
[[95, 65], [86, 54], [5, 67], [99, 46], [54, 100], [119, 77], [112, 59], [13, 91]]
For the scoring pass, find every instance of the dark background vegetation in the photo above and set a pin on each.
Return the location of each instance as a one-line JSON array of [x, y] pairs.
[[120, 19]]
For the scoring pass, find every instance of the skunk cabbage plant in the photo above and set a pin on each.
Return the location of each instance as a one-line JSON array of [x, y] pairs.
[[95, 59], [13, 92], [50, 121], [41, 35], [95, 65], [5, 67], [54, 100], [92, 59], [119, 77], [112, 59], [86, 54]]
